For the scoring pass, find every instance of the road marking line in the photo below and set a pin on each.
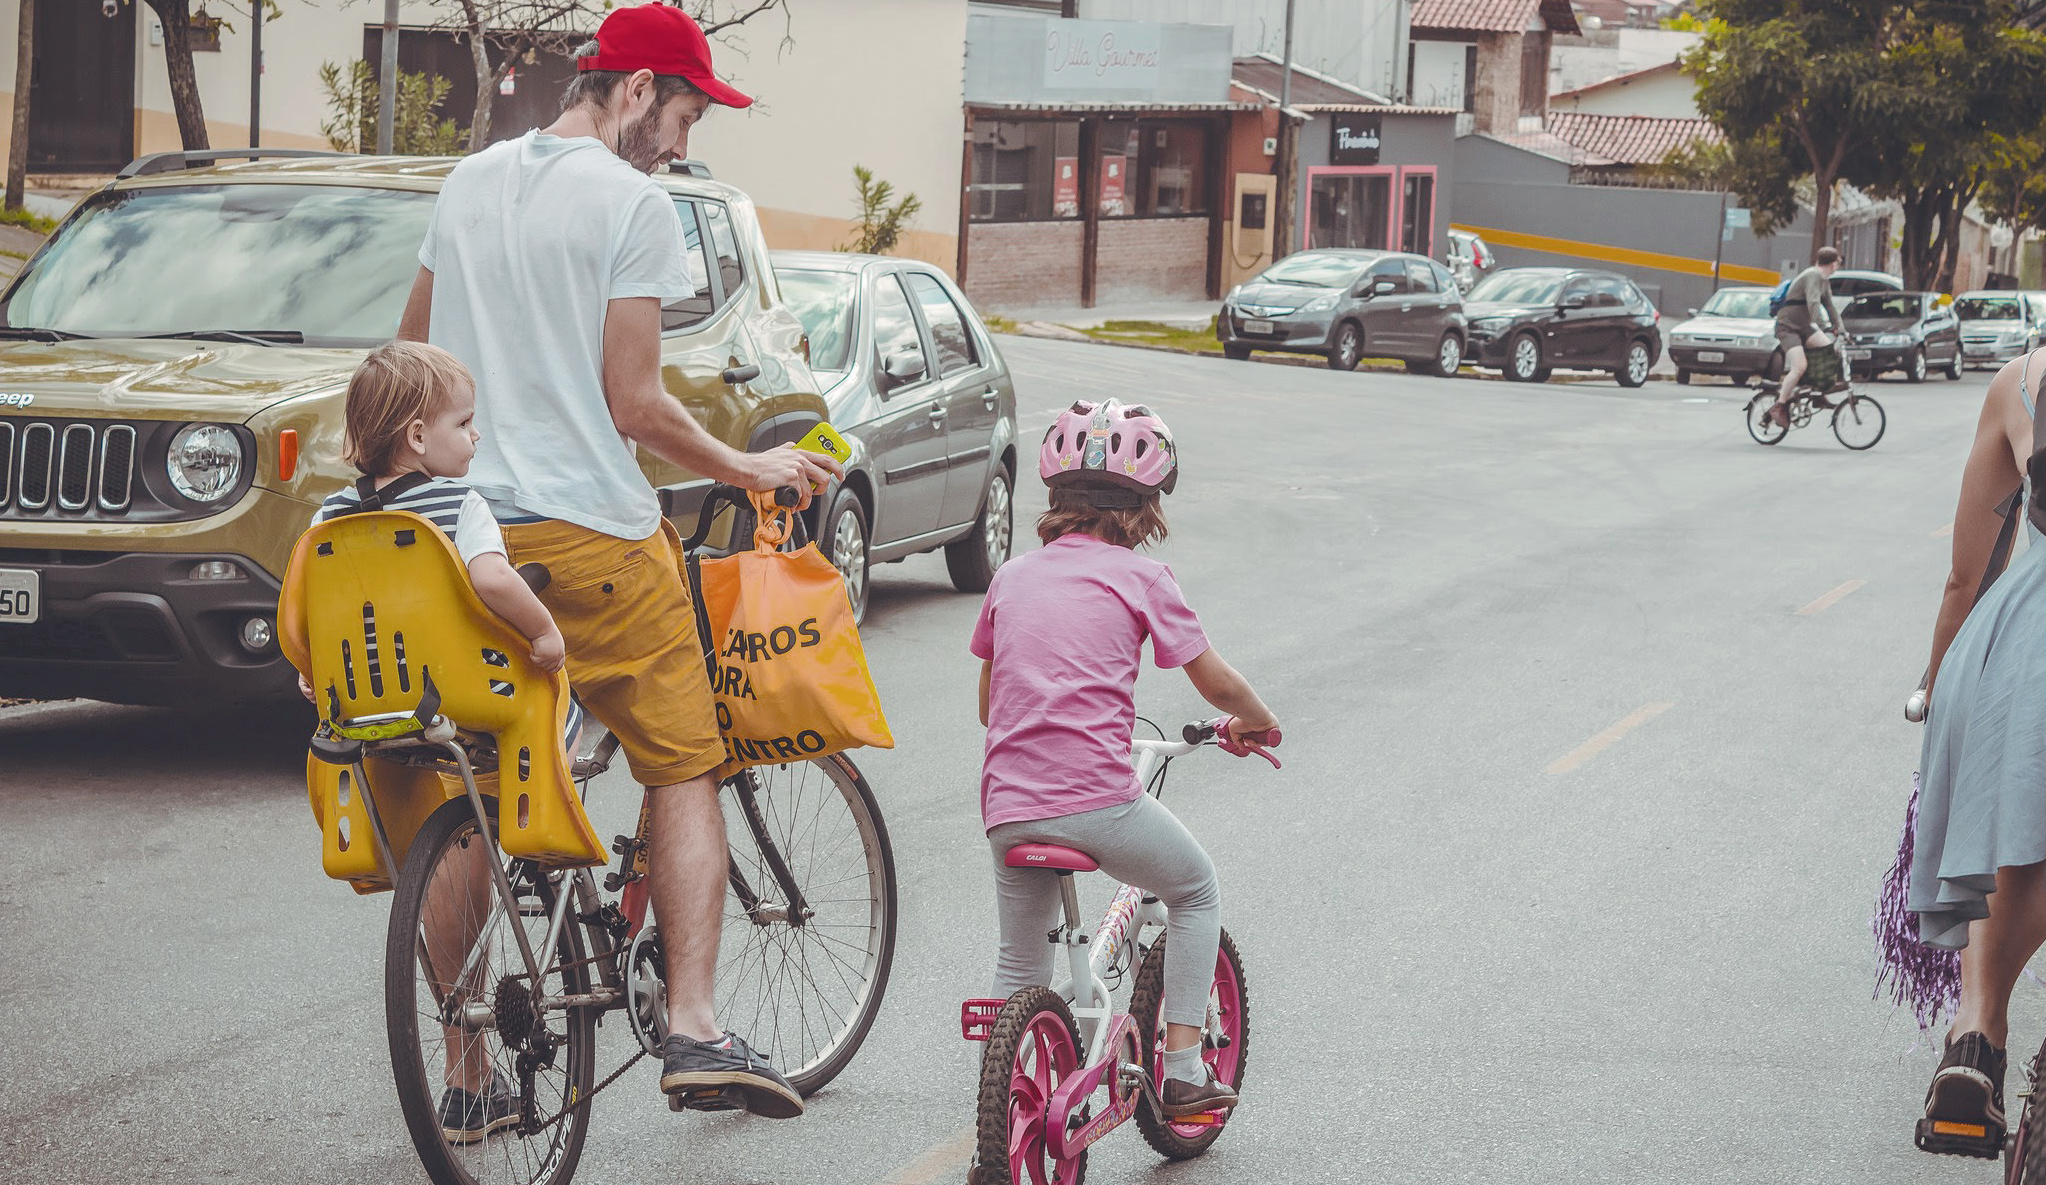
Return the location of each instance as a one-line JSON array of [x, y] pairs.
[[940, 1161], [1830, 599], [1613, 732], [1943, 532]]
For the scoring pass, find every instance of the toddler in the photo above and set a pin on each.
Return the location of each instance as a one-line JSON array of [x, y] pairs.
[[1060, 637]]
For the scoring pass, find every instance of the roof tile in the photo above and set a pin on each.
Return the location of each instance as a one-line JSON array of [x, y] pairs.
[[1624, 139]]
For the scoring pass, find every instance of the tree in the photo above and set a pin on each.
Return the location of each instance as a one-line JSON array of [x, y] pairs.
[[881, 224], [176, 18], [24, 70], [504, 34], [1812, 74], [1758, 169], [418, 130]]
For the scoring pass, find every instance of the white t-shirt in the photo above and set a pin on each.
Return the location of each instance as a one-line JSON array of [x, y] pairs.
[[530, 241], [454, 508]]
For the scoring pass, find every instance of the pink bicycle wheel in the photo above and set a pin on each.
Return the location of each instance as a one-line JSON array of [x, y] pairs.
[[1227, 1045], [1033, 1047]]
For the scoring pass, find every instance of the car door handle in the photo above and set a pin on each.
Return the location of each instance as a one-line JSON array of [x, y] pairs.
[[989, 397], [937, 413], [734, 375]]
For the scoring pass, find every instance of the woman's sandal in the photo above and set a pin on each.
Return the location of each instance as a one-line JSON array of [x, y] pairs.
[[1964, 1106]]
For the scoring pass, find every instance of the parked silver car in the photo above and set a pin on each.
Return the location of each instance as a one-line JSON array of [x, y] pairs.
[[1469, 259], [918, 389], [1349, 304], [1999, 325], [1733, 335]]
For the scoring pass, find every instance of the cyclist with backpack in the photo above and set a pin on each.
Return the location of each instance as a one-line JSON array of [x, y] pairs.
[[1805, 316]]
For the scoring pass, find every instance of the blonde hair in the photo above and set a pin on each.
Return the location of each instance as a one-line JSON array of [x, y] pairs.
[[398, 382], [1130, 527]]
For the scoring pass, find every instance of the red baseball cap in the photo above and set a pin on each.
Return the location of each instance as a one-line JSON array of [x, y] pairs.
[[661, 38]]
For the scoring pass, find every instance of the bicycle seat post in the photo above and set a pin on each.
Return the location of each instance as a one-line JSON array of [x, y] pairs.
[[1070, 895]]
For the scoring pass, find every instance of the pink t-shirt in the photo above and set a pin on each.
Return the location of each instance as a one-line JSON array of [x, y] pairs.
[[1065, 626]]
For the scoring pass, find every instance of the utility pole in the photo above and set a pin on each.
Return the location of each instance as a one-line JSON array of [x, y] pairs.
[[24, 78], [387, 81], [256, 72], [1289, 145]]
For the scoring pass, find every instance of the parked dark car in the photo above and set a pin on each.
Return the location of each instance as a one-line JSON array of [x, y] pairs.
[[1346, 305], [1733, 335], [918, 389], [1909, 331], [1526, 321]]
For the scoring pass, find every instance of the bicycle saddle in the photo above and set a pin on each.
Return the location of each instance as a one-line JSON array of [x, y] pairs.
[[378, 613], [1049, 855]]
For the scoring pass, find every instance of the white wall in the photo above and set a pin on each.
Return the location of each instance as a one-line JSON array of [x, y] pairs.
[[1662, 94], [1361, 42], [1614, 51], [1439, 74]]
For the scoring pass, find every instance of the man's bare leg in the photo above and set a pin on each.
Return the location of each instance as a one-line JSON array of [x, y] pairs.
[[1793, 370], [686, 881]]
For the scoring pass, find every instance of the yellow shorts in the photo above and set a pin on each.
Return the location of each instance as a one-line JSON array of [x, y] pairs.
[[634, 657]]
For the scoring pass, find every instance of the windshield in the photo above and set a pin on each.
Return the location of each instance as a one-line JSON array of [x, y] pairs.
[[1517, 287], [1989, 308], [1882, 304], [823, 302], [1316, 271], [1737, 302], [332, 262]]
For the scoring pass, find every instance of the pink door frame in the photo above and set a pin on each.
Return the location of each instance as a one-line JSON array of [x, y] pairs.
[[1396, 182]]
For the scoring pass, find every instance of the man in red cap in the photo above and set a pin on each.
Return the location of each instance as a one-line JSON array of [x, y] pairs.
[[544, 270]]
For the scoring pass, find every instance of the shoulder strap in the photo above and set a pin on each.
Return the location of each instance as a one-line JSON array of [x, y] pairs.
[[376, 499], [2036, 466]]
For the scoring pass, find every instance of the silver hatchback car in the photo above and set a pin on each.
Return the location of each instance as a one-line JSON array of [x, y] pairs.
[[916, 386]]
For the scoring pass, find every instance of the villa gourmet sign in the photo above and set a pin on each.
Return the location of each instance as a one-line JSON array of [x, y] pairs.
[[1102, 55], [1353, 139]]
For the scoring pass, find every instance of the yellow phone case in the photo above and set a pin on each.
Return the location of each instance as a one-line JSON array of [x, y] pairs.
[[826, 442]]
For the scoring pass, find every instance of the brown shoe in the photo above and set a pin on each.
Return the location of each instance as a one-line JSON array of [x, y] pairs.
[[1779, 414], [1191, 1098]]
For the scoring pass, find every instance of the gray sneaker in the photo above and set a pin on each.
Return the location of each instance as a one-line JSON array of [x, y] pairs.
[[701, 1075], [466, 1117]]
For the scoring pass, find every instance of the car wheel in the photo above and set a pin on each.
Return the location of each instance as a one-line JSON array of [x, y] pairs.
[[1634, 367], [845, 545], [1955, 367], [1683, 378], [972, 561], [1236, 353], [1448, 355], [1346, 347], [1524, 360], [1914, 368]]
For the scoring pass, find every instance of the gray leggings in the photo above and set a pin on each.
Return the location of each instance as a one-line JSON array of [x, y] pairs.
[[1140, 843]]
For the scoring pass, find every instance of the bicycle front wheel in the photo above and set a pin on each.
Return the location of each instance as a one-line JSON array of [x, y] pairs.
[[1858, 422], [1226, 1043], [809, 926], [482, 1062]]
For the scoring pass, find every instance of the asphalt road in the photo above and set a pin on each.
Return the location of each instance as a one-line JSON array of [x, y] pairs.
[[1481, 946]]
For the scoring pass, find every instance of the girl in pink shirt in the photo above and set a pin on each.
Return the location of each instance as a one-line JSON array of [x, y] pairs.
[[1060, 637]]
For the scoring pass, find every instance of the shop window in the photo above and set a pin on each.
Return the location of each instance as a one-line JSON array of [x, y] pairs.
[[1349, 210], [1024, 171], [948, 329], [1417, 214], [1154, 168]]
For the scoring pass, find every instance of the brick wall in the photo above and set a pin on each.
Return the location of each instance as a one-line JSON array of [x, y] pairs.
[[1152, 259], [1024, 265], [1496, 91]]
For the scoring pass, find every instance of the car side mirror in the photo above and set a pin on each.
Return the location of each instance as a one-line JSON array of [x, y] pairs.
[[1383, 288], [1692, 312], [1576, 300], [903, 366]]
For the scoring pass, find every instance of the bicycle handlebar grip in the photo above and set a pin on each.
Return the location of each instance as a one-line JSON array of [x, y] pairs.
[[789, 497], [1914, 708], [734, 375]]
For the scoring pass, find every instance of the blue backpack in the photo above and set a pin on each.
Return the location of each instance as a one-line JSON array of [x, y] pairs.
[[1781, 295]]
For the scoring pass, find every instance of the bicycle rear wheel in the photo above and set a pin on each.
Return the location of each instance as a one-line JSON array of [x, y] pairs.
[[803, 986], [451, 954], [1760, 426], [1033, 1047], [1858, 422], [1226, 1043]]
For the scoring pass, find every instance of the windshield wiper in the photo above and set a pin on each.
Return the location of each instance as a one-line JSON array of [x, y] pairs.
[[259, 337], [36, 333]]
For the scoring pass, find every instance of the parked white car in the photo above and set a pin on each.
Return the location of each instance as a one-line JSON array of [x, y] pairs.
[[1733, 335], [1997, 326]]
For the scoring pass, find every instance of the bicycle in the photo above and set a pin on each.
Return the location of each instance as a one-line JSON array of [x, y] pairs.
[[1036, 1113], [1858, 420], [513, 964]]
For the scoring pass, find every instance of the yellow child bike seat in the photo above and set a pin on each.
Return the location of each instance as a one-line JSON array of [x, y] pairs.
[[378, 614]]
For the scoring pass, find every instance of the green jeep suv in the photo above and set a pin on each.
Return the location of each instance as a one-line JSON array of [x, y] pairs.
[[172, 369]]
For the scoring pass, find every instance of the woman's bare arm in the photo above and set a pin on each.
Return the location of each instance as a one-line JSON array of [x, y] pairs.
[[2003, 433]]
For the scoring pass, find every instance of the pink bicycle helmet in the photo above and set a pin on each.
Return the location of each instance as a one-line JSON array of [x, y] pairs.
[[1099, 447]]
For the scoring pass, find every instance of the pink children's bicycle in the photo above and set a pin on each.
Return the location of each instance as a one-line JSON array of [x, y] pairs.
[[1062, 1070]]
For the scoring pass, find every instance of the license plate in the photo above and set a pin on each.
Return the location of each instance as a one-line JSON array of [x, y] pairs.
[[1858, 355], [1711, 355], [1978, 351], [1257, 327], [20, 596]]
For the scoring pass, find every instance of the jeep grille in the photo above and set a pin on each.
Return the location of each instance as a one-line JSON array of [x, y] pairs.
[[83, 470]]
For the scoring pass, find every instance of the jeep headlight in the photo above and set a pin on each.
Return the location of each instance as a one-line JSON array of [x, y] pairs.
[[204, 462]]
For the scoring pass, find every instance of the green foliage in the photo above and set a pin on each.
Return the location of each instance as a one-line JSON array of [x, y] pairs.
[[881, 224], [26, 219], [417, 129]]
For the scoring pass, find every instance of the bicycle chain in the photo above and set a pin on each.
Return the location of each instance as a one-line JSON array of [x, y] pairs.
[[594, 1092]]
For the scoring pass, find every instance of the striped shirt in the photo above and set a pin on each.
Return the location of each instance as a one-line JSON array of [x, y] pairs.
[[453, 507]]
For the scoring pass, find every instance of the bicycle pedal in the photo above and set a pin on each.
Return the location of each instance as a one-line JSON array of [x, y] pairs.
[[1204, 1118], [708, 1098], [1948, 1138]]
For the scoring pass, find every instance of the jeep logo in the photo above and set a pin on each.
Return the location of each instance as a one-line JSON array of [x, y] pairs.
[[16, 398]]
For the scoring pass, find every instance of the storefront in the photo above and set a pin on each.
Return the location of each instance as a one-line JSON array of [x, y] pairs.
[[1095, 161]]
